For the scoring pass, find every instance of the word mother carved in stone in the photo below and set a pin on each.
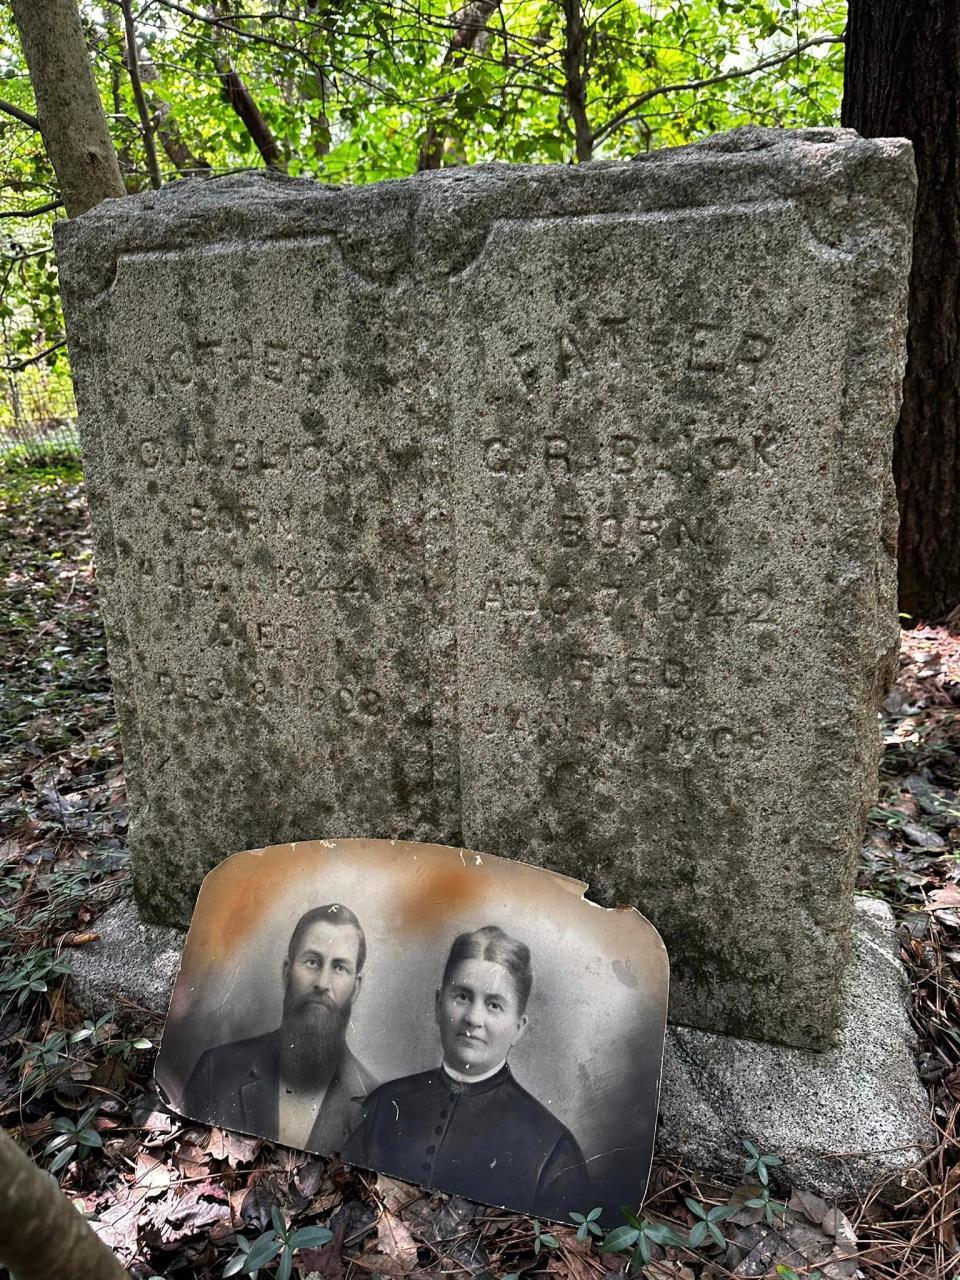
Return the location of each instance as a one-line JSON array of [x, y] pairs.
[[542, 510]]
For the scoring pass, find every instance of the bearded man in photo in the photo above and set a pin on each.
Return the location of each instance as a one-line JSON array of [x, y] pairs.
[[300, 1084]]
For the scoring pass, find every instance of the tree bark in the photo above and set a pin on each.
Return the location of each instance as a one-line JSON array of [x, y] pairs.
[[901, 80], [236, 94], [41, 1233], [69, 110], [575, 77]]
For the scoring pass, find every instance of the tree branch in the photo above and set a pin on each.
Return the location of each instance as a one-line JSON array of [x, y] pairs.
[[17, 365], [32, 213], [775, 60], [33, 253], [18, 114], [41, 1233], [237, 95], [133, 70]]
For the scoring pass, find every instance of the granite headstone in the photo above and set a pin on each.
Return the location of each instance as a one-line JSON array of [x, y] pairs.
[[542, 510]]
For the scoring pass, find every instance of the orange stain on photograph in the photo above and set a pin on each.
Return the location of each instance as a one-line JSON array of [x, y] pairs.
[[450, 880], [433, 882]]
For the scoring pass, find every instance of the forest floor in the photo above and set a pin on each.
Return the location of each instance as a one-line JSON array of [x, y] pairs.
[[178, 1200]]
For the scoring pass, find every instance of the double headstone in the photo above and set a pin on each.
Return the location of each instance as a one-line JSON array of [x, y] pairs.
[[546, 511]]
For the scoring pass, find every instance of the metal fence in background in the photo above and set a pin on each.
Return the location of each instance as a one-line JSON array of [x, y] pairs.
[[35, 442], [38, 417]]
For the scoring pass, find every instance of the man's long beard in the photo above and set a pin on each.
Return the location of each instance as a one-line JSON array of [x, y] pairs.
[[312, 1037]]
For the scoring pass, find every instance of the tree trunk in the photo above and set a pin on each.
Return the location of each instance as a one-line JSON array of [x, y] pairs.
[[41, 1233], [575, 77], [71, 116], [902, 80]]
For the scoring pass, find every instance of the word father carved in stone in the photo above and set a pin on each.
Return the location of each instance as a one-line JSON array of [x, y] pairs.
[[542, 510]]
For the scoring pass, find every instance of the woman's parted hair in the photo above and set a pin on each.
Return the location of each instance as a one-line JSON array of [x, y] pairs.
[[491, 943]]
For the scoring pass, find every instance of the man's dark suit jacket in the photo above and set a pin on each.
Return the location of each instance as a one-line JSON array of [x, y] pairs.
[[489, 1141], [236, 1086]]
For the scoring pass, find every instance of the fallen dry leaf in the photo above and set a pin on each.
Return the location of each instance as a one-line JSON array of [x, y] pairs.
[[394, 1194], [396, 1241], [232, 1147], [665, 1270], [325, 1263], [153, 1176], [321, 1264], [943, 899], [116, 1225], [810, 1205], [572, 1259]]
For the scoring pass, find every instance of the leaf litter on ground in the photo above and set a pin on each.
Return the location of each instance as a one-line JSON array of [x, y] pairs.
[[174, 1198]]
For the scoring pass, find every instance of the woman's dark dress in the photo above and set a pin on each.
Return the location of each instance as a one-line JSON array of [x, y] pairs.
[[489, 1141]]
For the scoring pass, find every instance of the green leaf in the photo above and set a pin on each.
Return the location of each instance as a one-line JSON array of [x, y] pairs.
[[276, 1217], [620, 1238], [695, 1207], [721, 1211], [310, 1237], [286, 1266], [663, 1234], [234, 1265], [262, 1251], [698, 1233], [64, 1158]]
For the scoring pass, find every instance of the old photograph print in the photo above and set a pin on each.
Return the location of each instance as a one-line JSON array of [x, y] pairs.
[[457, 1020]]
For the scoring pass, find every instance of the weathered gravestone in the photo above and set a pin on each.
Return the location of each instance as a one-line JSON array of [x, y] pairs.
[[544, 510]]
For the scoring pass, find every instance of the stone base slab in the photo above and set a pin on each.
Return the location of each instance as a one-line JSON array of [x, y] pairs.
[[842, 1120]]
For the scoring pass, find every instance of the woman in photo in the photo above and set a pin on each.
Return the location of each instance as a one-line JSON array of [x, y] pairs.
[[467, 1126]]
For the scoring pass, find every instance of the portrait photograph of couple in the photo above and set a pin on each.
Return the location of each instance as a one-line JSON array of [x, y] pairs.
[[453, 1019]]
